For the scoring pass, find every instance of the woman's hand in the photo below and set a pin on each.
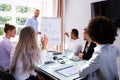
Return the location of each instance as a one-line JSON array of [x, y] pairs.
[[80, 55], [44, 42]]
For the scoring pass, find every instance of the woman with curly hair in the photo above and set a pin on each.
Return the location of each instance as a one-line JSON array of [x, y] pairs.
[[102, 65]]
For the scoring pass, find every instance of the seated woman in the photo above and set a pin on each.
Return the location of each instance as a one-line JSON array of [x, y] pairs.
[[26, 55], [89, 46], [100, 66], [6, 46]]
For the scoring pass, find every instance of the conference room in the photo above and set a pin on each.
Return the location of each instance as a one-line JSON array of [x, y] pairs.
[[56, 17]]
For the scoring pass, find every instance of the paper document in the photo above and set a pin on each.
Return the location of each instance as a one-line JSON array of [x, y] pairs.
[[68, 71]]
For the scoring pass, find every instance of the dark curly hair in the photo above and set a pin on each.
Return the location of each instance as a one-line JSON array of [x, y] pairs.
[[102, 30]]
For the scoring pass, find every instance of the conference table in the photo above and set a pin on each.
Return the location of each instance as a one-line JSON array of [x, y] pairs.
[[55, 70]]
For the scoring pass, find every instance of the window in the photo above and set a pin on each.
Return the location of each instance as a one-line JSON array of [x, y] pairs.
[[16, 12]]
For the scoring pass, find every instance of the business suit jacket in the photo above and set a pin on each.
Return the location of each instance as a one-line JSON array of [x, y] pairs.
[[88, 54]]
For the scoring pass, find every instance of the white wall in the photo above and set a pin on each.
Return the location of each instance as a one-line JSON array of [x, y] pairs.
[[117, 41], [77, 15], [96, 0]]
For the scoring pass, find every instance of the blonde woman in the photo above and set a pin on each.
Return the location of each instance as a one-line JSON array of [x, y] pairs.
[[26, 54]]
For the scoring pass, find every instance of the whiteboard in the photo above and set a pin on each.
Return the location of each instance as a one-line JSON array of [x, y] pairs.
[[51, 27]]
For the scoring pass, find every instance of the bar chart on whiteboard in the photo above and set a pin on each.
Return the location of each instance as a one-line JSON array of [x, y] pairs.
[[51, 27]]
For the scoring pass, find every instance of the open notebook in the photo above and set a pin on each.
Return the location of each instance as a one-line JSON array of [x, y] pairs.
[[68, 71]]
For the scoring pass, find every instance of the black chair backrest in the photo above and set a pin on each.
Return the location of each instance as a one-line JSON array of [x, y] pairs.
[[5, 75]]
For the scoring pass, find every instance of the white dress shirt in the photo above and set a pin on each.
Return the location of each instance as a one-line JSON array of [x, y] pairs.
[[75, 47]]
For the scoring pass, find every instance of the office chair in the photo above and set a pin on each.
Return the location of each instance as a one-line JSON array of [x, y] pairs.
[[5, 75]]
